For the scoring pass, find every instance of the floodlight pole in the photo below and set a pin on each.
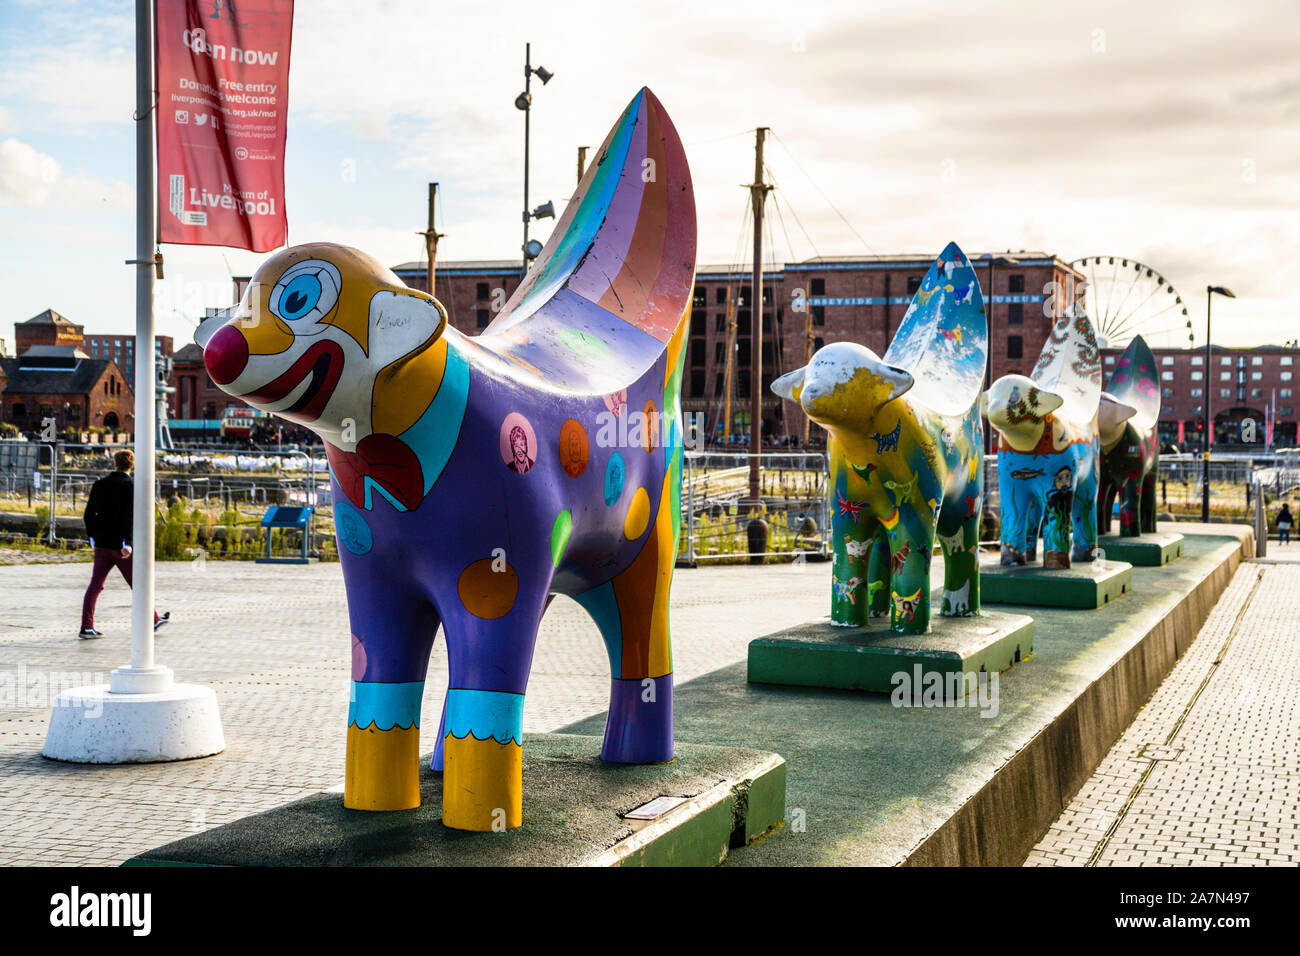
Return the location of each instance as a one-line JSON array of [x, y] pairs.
[[1208, 441]]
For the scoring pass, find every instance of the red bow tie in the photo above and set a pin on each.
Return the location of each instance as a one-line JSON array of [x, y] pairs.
[[386, 461]]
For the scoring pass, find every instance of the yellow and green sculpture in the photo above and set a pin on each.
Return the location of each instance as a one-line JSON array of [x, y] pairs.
[[905, 439]]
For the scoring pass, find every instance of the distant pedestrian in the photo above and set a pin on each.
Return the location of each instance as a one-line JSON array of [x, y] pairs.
[[1284, 525], [109, 519]]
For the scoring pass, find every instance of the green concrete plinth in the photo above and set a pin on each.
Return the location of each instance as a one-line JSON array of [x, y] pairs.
[[1088, 585], [1148, 551], [820, 654], [574, 807]]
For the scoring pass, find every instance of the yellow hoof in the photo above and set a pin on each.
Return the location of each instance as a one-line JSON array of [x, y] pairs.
[[383, 769], [482, 784]]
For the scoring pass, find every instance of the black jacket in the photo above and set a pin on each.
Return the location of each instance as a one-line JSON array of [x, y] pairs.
[[109, 510]]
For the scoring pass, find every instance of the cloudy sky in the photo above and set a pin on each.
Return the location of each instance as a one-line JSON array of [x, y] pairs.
[[1167, 132]]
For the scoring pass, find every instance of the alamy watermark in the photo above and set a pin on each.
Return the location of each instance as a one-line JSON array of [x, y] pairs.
[[930, 688]]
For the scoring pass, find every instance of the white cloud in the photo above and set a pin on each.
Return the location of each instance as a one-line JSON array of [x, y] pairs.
[[29, 177]]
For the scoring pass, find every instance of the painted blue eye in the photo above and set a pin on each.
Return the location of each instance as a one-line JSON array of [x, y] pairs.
[[300, 296]]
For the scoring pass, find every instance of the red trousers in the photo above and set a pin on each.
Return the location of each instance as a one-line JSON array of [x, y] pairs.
[[105, 560]]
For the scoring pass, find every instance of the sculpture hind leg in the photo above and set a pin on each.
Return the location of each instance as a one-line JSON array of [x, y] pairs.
[[391, 642], [491, 623], [1129, 508], [959, 535], [1084, 521], [631, 610], [1149, 503]]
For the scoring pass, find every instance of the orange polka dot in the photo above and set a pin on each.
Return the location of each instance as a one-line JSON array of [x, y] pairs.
[[574, 450], [488, 588], [649, 427]]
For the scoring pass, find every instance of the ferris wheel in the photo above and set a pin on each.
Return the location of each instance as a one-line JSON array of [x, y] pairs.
[[1124, 298]]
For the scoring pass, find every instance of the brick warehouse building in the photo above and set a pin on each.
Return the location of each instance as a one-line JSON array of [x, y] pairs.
[[1245, 383], [862, 299]]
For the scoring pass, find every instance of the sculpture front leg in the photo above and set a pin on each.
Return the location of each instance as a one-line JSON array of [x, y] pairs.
[[390, 656]]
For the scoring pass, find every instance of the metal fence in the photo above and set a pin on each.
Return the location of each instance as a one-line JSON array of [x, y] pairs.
[[718, 508]]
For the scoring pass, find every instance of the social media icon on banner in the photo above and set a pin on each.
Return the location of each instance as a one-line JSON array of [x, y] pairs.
[[183, 117], [241, 152], [200, 119]]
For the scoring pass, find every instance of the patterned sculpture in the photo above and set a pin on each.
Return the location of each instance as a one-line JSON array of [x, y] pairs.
[[1048, 449], [1130, 448], [905, 441], [474, 478]]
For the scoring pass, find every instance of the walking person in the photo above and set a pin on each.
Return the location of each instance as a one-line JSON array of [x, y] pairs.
[[1284, 525], [109, 518]]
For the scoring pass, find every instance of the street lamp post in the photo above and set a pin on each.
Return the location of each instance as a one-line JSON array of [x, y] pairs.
[[524, 102], [1208, 440]]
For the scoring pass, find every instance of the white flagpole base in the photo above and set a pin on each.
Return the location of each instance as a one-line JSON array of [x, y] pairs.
[[94, 724]]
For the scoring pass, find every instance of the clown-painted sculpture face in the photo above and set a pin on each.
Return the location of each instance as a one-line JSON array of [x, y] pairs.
[[319, 338]]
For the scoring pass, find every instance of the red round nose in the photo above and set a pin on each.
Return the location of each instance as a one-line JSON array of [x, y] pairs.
[[226, 355]]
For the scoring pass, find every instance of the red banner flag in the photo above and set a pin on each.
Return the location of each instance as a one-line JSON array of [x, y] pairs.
[[223, 94]]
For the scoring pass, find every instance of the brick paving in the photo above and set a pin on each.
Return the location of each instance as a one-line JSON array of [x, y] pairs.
[[1209, 771], [272, 641]]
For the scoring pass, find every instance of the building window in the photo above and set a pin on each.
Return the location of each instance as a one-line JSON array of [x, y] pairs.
[[697, 382], [1225, 393], [1167, 392], [1015, 314], [1166, 376], [481, 291], [719, 323], [1285, 376], [697, 352], [717, 387], [818, 286], [717, 353], [697, 323], [74, 413], [1197, 376], [1015, 347], [1257, 360], [819, 315], [1285, 360], [19, 410], [721, 295], [1256, 376], [1110, 360], [1225, 376], [1167, 360], [1225, 361], [818, 344], [47, 411], [1196, 393], [484, 318], [913, 283], [701, 298], [1285, 410], [1285, 393], [1198, 360], [1256, 393], [1015, 283]]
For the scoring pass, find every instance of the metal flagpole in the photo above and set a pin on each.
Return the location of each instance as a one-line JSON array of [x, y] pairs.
[[143, 677], [141, 715]]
